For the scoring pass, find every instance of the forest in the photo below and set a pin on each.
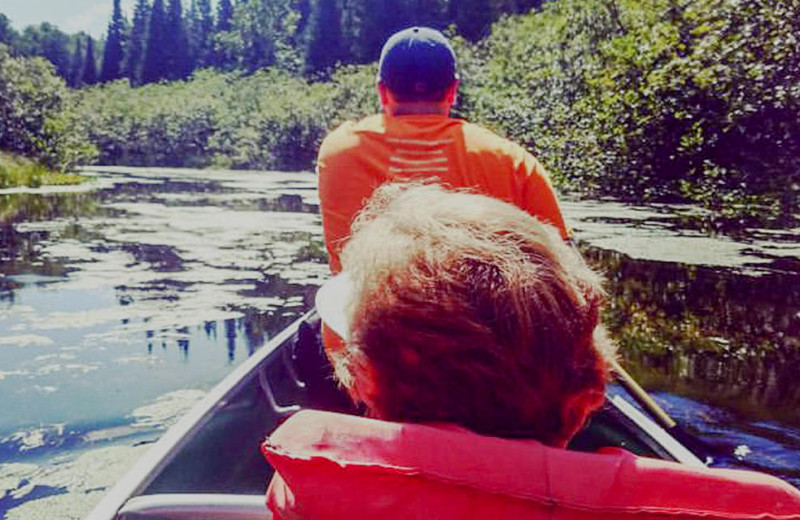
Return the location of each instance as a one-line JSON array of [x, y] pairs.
[[665, 100]]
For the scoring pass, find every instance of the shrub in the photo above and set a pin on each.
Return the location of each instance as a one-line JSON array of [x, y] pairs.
[[36, 114]]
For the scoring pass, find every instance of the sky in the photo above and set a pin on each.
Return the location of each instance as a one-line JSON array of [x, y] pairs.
[[70, 16]]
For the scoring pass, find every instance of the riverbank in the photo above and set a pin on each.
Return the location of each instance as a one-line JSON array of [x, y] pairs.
[[634, 100], [16, 170], [639, 101]]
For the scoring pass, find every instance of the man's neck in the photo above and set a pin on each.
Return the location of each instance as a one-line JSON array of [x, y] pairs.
[[407, 109]]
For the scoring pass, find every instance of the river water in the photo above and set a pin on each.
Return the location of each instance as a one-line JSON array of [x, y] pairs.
[[123, 300]]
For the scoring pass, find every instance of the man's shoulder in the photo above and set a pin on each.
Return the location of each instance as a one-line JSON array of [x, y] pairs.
[[346, 135], [480, 139]]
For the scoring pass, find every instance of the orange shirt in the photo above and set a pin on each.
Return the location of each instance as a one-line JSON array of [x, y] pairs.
[[358, 157]]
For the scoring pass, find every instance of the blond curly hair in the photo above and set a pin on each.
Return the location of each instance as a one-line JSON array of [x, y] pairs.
[[468, 310]]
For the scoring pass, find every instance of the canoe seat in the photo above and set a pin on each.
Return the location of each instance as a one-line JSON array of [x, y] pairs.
[[337, 466], [195, 506]]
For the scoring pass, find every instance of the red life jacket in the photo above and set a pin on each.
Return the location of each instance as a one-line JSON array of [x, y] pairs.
[[335, 466]]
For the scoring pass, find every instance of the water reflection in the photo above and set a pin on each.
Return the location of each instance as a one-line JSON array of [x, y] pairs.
[[241, 337], [724, 336]]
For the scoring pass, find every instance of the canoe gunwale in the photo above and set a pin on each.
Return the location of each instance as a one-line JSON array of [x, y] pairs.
[[166, 448]]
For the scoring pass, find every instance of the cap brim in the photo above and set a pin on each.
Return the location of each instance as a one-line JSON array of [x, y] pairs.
[[332, 300]]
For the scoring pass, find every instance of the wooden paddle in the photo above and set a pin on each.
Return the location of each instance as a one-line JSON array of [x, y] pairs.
[[702, 449]]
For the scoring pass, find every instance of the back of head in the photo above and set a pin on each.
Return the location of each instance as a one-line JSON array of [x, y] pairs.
[[468, 310], [417, 64]]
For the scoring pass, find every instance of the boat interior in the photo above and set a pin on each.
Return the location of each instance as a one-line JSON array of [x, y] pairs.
[[210, 465]]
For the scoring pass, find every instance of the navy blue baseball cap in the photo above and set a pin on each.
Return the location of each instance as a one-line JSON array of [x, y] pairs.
[[417, 63]]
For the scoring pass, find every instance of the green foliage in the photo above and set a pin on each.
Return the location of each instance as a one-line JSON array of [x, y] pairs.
[[114, 52], [176, 54], [168, 43], [262, 35], [224, 15], [652, 100], [18, 171], [8, 35], [268, 120], [201, 32], [154, 66], [75, 76], [323, 37], [472, 17], [366, 24], [47, 41], [137, 43], [37, 117], [89, 74]]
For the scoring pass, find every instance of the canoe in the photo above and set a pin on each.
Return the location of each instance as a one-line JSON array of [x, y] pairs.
[[209, 465]]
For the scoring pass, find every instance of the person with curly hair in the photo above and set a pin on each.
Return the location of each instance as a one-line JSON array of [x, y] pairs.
[[468, 310], [472, 338]]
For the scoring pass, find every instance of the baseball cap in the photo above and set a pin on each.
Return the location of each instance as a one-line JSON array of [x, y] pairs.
[[416, 63], [332, 301]]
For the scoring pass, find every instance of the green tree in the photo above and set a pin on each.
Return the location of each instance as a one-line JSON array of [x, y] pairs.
[[523, 6], [176, 50], [323, 37], [154, 66], [8, 35], [137, 43], [224, 15], [430, 13], [303, 9], [48, 41], [473, 18], [206, 33], [114, 52], [264, 32], [200, 28], [36, 113], [75, 75], [192, 24], [366, 24], [89, 75]]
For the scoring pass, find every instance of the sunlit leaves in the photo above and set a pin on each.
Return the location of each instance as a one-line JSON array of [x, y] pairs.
[[652, 99], [36, 114]]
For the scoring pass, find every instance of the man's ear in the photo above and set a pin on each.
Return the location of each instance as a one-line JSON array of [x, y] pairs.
[[385, 96], [451, 95]]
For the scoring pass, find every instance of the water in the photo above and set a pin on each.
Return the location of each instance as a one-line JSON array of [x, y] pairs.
[[123, 300], [708, 323]]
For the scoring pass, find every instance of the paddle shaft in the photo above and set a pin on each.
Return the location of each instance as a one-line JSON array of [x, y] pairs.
[[641, 396]]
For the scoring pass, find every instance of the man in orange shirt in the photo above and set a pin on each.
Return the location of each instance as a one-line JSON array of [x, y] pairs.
[[416, 138]]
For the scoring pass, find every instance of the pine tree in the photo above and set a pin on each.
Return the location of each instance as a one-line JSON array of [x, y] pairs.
[[366, 24], [192, 26], [154, 67], [303, 9], [323, 36], [473, 18], [430, 13], [523, 6], [7, 33], [137, 43], [201, 33], [75, 76], [48, 41], [114, 52], [206, 30], [89, 76], [176, 50], [224, 15]]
